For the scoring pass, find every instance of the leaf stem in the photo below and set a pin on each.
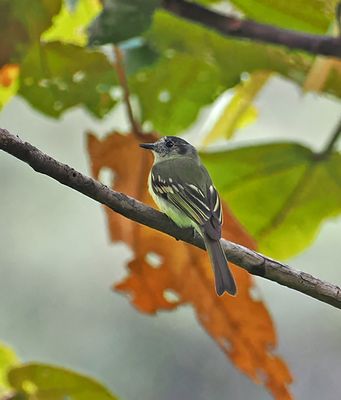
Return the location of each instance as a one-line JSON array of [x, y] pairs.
[[331, 143], [135, 126]]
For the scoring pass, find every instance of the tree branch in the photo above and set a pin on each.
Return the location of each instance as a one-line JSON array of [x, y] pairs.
[[250, 260], [244, 28]]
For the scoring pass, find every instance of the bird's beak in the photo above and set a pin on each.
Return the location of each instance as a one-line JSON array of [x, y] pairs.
[[148, 146]]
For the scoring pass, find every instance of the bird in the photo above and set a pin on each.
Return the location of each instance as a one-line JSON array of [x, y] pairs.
[[182, 188]]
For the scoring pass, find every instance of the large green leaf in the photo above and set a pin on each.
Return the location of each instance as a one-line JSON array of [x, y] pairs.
[[121, 20], [226, 58], [56, 76], [39, 17], [280, 192], [197, 65], [138, 57], [21, 23], [313, 16], [231, 56], [7, 360], [45, 382], [172, 91]]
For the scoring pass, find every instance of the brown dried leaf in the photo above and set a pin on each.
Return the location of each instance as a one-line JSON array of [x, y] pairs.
[[115, 152], [240, 325]]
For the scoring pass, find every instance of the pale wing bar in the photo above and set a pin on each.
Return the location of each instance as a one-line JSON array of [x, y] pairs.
[[189, 198]]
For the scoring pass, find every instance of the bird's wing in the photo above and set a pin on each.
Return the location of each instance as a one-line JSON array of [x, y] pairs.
[[188, 187]]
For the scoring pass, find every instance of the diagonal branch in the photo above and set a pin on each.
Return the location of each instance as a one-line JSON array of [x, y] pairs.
[[244, 28], [250, 260]]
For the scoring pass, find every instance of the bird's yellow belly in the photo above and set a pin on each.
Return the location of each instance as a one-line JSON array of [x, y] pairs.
[[171, 211]]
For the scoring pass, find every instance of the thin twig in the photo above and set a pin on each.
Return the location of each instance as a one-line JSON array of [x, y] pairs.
[[250, 260], [135, 126], [244, 28]]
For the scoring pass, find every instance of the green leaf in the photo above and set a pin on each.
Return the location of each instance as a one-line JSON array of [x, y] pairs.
[[70, 24], [18, 28], [7, 360], [46, 382], [55, 77], [139, 57], [231, 56], [239, 111], [228, 58], [313, 16], [197, 66], [172, 91], [248, 117], [40, 16], [280, 192], [121, 20]]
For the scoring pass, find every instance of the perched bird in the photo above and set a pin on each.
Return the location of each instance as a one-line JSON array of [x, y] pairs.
[[182, 188]]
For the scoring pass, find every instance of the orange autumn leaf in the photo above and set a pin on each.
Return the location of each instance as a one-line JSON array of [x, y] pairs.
[[240, 325], [8, 74]]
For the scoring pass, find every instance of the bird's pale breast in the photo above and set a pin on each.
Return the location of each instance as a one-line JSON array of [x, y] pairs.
[[172, 212]]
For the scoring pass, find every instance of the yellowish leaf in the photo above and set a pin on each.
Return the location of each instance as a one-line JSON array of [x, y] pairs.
[[239, 111], [8, 359], [9, 84], [249, 116], [69, 26]]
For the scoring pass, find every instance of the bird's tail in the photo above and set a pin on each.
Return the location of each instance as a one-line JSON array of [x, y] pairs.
[[224, 281]]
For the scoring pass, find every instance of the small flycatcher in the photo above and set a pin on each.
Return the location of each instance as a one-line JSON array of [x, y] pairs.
[[182, 188]]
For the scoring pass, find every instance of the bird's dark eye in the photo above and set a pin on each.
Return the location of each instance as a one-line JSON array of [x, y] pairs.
[[169, 143]]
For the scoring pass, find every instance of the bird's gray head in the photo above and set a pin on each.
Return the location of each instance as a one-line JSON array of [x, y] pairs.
[[170, 146]]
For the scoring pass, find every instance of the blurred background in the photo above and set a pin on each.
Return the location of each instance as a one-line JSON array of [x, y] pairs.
[[57, 266]]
